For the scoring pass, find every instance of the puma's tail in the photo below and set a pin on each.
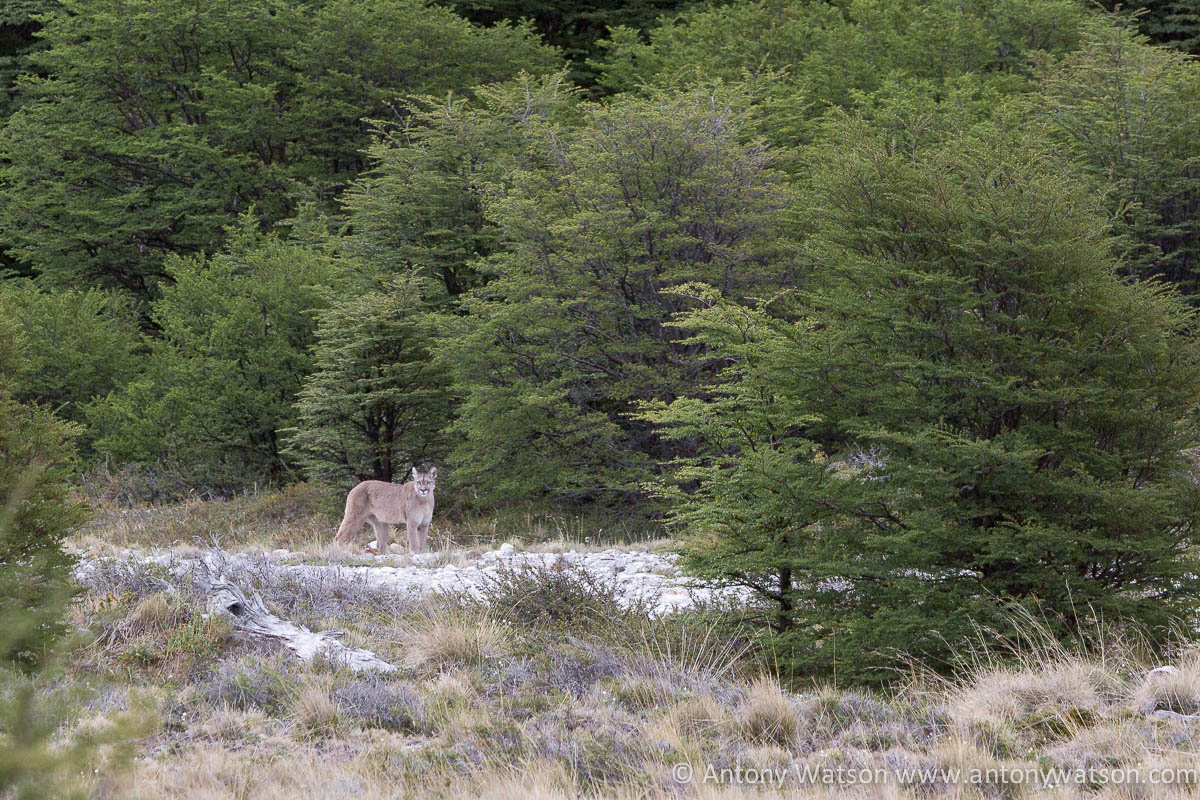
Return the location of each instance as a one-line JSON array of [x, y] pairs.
[[355, 516]]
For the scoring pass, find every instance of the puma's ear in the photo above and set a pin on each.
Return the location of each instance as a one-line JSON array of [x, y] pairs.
[[433, 472], [414, 473]]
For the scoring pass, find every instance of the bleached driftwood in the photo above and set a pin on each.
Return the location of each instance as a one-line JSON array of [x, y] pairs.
[[248, 614]]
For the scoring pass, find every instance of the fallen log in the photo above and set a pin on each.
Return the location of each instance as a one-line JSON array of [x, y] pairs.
[[248, 614]]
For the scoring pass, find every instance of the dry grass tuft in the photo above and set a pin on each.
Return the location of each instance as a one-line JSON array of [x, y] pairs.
[[537, 781], [233, 725], [452, 688], [1071, 691], [767, 715], [446, 640], [153, 612], [1178, 691], [315, 713], [698, 716]]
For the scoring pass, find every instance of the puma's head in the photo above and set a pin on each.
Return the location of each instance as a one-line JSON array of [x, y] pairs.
[[424, 482]]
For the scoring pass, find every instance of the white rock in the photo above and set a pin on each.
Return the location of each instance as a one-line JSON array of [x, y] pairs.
[[636, 576], [1162, 672]]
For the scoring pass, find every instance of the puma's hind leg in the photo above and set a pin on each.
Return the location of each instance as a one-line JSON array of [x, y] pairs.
[[383, 533]]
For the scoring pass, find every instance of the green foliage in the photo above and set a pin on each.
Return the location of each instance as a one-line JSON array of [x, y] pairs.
[[969, 408], [19, 25], [32, 765], [1174, 23], [569, 333], [375, 403], [829, 51], [221, 380], [1129, 111], [420, 206], [558, 598], [35, 458], [74, 345], [36, 512], [158, 121], [573, 27]]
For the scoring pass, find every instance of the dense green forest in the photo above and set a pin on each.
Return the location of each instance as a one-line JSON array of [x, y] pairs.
[[886, 307]]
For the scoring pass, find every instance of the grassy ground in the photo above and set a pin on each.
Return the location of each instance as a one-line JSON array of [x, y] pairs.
[[302, 519], [549, 689]]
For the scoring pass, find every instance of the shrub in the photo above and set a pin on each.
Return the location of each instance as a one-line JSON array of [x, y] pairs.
[[252, 683], [970, 408], [442, 640], [557, 597], [36, 513], [373, 703]]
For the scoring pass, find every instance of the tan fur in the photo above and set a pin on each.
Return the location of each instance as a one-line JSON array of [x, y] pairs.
[[382, 504]]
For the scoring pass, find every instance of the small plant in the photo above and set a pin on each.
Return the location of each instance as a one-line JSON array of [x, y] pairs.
[[557, 597], [315, 712], [767, 715], [251, 683], [198, 636], [372, 703], [445, 640]]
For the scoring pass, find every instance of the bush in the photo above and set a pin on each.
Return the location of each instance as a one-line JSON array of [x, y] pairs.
[[220, 382], [970, 408], [36, 512], [373, 703], [75, 345], [252, 683], [374, 404], [558, 597]]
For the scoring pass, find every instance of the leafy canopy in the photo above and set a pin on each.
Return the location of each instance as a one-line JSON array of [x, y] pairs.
[[220, 382], [551, 355], [968, 407], [375, 403], [153, 124]]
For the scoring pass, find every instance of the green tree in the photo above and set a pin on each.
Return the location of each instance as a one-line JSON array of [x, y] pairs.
[[568, 335], [969, 408], [828, 52], [1174, 23], [156, 122], [74, 345], [1129, 112], [221, 380], [19, 26], [36, 512], [420, 205], [375, 403], [573, 27]]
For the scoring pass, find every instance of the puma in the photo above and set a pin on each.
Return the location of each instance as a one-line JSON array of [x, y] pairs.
[[384, 504]]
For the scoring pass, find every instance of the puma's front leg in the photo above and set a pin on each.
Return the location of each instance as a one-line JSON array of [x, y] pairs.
[[422, 535], [416, 543]]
